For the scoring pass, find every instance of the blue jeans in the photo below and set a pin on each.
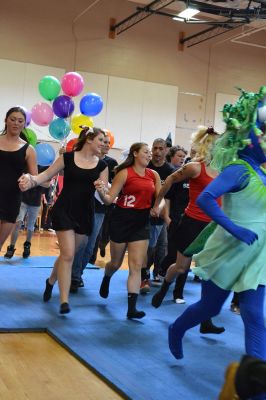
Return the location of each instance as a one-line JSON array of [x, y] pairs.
[[155, 231], [84, 253], [31, 212]]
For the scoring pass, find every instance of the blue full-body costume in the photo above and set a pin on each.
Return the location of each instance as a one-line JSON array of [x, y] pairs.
[[233, 257]]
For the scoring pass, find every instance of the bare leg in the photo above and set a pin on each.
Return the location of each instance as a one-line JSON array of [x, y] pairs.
[[15, 232], [137, 251], [117, 255], [136, 254], [5, 230], [68, 241]]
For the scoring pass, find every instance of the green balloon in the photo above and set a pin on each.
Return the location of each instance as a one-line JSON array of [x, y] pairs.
[[49, 87], [31, 136]]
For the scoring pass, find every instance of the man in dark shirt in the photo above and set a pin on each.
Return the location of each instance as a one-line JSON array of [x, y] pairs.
[[83, 256], [30, 207], [158, 234]]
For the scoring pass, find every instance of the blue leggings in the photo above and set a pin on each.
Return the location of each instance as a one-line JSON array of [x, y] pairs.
[[210, 304]]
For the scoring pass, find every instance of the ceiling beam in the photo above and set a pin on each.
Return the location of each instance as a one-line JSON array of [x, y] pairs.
[[234, 18], [206, 34], [139, 16]]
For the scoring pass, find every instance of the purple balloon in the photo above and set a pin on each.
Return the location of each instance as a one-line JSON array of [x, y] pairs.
[[28, 115], [63, 106]]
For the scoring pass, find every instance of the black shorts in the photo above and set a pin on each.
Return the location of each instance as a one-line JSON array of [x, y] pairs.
[[187, 231], [129, 225]]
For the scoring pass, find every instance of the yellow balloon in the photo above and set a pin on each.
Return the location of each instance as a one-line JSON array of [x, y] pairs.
[[80, 120]]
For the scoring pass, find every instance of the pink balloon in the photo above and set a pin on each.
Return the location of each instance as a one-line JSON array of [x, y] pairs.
[[72, 84], [42, 114]]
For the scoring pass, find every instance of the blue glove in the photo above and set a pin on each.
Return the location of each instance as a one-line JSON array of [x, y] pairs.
[[232, 179]]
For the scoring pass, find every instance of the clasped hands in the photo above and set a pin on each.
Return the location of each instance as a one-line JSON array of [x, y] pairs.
[[26, 182], [100, 186]]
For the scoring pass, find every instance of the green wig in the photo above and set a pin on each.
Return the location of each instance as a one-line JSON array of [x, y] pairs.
[[240, 118]]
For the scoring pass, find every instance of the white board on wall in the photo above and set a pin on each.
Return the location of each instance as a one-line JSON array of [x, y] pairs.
[[158, 112], [124, 110], [140, 111], [221, 100], [11, 85], [19, 86]]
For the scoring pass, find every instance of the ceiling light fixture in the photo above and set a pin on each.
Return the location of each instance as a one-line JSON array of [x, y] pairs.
[[187, 13]]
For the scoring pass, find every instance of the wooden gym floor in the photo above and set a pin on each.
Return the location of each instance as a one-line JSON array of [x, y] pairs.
[[34, 366]]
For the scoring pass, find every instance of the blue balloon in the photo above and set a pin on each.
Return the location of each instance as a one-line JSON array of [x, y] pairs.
[[45, 154], [63, 106], [59, 129], [91, 104]]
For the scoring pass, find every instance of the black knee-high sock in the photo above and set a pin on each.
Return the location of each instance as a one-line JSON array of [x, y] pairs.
[[132, 312], [104, 289], [160, 295]]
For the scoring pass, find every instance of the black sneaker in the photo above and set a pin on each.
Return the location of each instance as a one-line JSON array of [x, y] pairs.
[[26, 252], [74, 287], [10, 251]]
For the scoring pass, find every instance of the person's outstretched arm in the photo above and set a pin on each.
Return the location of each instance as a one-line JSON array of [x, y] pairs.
[[232, 179]]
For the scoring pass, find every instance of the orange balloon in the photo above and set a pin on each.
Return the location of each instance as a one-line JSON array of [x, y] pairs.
[[111, 137], [70, 144]]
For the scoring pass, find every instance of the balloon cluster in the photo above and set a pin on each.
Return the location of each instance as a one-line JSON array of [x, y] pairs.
[[58, 115]]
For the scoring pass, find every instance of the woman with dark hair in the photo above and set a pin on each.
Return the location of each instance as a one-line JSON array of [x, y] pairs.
[[16, 156], [136, 186], [73, 212]]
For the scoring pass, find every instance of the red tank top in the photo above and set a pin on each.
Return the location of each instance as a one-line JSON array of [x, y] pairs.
[[138, 191], [196, 186]]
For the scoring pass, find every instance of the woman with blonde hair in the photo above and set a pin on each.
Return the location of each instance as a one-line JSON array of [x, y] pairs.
[[136, 186], [193, 221], [73, 212]]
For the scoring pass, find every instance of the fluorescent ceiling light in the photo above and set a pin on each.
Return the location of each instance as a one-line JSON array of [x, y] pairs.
[[188, 13], [185, 19], [179, 19]]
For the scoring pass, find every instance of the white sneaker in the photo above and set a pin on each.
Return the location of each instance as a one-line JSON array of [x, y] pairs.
[[156, 281], [179, 301]]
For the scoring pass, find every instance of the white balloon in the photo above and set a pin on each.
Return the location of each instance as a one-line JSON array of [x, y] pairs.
[[262, 114]]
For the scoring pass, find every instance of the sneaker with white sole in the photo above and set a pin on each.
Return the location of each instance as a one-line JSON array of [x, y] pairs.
[[156, 281], [179, 301]]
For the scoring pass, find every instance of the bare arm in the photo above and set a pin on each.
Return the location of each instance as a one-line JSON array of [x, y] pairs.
[[166, 212], [117, 184], [28, 181], [158, 188], [104, 176], [188, 171], [31, 161]]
